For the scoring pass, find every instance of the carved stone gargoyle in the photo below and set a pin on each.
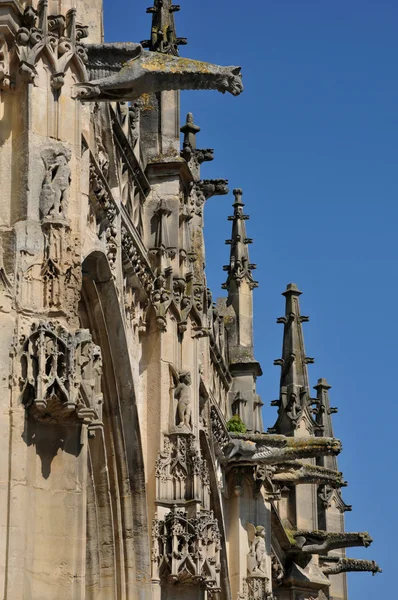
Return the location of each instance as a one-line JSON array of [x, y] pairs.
[[320, 542], [124, 71], [273, 449], [295, 473], [350, 565]]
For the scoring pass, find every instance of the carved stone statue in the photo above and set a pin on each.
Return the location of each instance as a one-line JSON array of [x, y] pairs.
[[140, 72], [257, 554], [182, 393], [55, 189]]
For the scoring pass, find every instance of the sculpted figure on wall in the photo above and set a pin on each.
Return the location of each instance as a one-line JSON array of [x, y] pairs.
[[55, 190], [257, 555], [182, 393]]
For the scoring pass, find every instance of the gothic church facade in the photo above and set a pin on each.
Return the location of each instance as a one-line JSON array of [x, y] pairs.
[[134, 461]]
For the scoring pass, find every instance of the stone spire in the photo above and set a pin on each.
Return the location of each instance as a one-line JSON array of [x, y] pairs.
[[294, 397], [163, 33]]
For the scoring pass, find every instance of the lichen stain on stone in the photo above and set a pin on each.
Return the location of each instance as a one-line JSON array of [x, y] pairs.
[[171, 64], [146, 100]]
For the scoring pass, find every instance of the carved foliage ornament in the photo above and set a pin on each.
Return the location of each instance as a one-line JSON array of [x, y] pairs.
[[55, 36], [60, 374]]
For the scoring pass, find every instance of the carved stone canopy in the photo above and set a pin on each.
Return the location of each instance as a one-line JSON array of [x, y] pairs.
[[60, 376]]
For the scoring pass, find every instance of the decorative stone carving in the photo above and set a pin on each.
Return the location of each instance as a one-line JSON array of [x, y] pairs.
[[161, 298], [6, 284], [49, 270], [186, 550], [60, 375], [219, 429], [255, 588], [162, 246], [256, 559], [182, 296], [278, 572], [60, 271], [56, 37], [55, 189], [182, 473], [198, 297], [134, 262], [205, 189], [183, 394], [140, 72], [325, 494], [103, 212], [4, 64]]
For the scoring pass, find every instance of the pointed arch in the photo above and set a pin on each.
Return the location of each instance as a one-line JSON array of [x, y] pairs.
[[118, 563]]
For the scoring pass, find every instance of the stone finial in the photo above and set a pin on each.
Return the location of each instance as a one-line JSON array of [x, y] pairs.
[[190, 130], [322, 384], [291, 288], [238, 193]]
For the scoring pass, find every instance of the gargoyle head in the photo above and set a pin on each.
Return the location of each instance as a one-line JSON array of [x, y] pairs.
[[232, 81], [334, 446], [366, 539]]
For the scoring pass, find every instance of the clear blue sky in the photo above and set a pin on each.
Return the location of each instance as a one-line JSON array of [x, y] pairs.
[[313, 142]]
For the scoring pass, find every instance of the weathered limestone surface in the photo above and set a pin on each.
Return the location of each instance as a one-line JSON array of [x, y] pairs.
[[133, 458]]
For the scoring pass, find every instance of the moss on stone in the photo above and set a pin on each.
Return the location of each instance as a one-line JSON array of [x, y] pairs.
[[236, 424]]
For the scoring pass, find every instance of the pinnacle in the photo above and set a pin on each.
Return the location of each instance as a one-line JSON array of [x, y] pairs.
[[240, 267], [163, 34]]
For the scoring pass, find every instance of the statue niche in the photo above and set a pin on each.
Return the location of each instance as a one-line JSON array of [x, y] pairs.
[[182, 394]]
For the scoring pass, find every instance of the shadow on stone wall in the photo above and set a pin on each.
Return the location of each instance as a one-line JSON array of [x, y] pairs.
[[49, 439]]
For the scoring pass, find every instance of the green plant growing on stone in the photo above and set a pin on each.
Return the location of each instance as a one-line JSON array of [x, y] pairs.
[[236, 425]]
